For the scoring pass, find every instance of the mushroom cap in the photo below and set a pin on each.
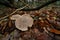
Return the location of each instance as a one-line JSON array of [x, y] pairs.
[[23, 21], [14, 17]]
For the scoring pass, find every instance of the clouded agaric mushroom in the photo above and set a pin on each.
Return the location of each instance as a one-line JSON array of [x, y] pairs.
[[22, 22]]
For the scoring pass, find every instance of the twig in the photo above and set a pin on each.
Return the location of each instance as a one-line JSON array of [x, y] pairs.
[[1, 19]]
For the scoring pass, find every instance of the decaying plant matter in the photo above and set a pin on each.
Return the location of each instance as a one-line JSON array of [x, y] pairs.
[[37, 23]]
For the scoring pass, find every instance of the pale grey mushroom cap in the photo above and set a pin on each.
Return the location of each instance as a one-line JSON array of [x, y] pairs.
[[22, 22], [14, 17]]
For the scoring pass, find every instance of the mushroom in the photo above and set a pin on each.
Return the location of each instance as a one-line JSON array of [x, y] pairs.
[[22, 22]]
